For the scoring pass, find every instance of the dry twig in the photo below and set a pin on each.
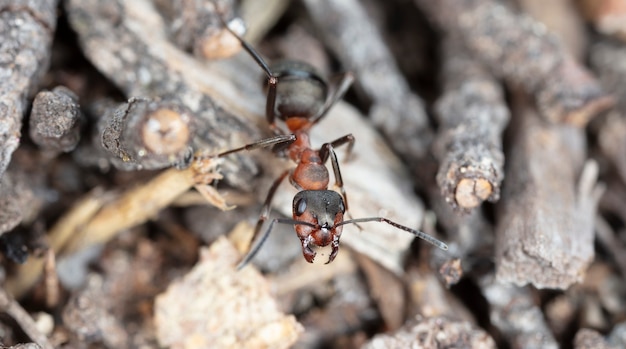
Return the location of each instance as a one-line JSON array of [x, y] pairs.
[[472, 115], [15, 310], [545, 235], [26, 30], [606, 58], [522, 51], [156, 69], [148, 134], [98, 217]]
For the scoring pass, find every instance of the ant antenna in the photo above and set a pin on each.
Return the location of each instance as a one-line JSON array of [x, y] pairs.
[[420, 234], [255, 55], [417, 233], [272, 80]]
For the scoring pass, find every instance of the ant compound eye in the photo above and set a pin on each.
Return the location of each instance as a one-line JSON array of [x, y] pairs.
[[342, 207], [300, 206]]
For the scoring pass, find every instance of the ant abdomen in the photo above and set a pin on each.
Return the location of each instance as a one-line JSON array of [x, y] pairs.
[[301, 91]]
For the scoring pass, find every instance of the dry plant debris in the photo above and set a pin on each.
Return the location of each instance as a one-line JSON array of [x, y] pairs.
[[215, 305], [478, 121]]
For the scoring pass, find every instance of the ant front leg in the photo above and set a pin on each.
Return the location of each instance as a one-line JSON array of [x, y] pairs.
[[327, 150], [265, 212], [263, 143]]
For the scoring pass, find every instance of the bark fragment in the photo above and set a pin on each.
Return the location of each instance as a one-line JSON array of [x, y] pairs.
[[55, 120], [26, 30], [387, 291], [15, 199]]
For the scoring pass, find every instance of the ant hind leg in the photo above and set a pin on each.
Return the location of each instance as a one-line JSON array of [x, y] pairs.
[[341, 85]]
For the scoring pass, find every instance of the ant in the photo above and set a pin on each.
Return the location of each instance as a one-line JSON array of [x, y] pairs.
[[299, 97]]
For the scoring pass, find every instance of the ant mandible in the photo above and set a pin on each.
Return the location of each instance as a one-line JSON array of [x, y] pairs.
[[301, 100]]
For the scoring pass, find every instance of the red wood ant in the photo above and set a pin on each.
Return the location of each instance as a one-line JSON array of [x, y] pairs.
[[301, 100]]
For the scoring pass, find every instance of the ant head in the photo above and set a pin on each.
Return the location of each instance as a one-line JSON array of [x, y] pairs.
[[323, 211]]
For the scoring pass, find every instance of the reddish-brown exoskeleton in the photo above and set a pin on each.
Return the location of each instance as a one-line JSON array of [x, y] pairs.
[[300, 98]]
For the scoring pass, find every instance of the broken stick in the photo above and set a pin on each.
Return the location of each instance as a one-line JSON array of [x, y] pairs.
[[545, 236], [148, 134], [522, 51], [472, 115], [27, 28], [55, 120]]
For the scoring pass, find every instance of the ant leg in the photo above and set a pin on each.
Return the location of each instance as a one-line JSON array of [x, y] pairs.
[[349, 138], [325, 151], [265, 212], [257, 247], [328, 149], [263, 143], [272, 80], [255, 55], [345, 80]]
